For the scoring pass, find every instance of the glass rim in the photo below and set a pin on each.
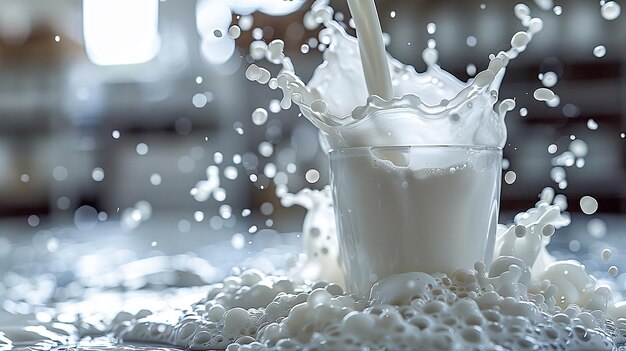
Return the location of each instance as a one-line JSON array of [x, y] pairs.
[[433, 146]]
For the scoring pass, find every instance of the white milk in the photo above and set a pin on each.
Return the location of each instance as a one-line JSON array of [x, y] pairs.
[[372, 48], [407, 209]]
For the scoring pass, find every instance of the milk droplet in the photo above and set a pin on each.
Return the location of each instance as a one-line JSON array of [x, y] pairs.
[[613, 271], [521, 11], [253, 72], [588, 205], [523, 112], [574, 246], [554, 102], [520, 40], [155, 179], [471, 41], [97, 174], [549, 79], [312, 176], [543, 94], [267, 208], [270, 170], [579, 148], [198, 216], [246, 22], [430, 56], [510, 177], [199, 100], [57, 38], [257, 33], [115, 134], [392, 14], [184, 226], [266, 149], [304, 48], [558, 10], [535, 25], [552, 149], [225, 211], [599, 51], [238, 241], [142, 148], [259, 116], [231, 173], [606, 254], [199, 80], [471, 69], [431, 28], [596, 227], [33, 220], [234, 31], [591, 124], [610, 10], [274, 106]]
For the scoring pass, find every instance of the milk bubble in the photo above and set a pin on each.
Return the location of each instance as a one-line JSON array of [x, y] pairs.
[[606, 254], [613, 271]]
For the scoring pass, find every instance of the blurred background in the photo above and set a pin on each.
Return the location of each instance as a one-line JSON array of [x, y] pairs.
[[112, 110]]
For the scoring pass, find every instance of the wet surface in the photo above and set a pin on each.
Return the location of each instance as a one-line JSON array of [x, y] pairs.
[[62, 299]]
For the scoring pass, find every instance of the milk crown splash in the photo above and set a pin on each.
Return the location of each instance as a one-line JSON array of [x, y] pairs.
[[430, 108]]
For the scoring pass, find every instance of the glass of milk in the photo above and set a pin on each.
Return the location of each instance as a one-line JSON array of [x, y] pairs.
[[414, 208]]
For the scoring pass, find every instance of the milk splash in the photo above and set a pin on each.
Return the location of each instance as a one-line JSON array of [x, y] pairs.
[[432, 108]]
